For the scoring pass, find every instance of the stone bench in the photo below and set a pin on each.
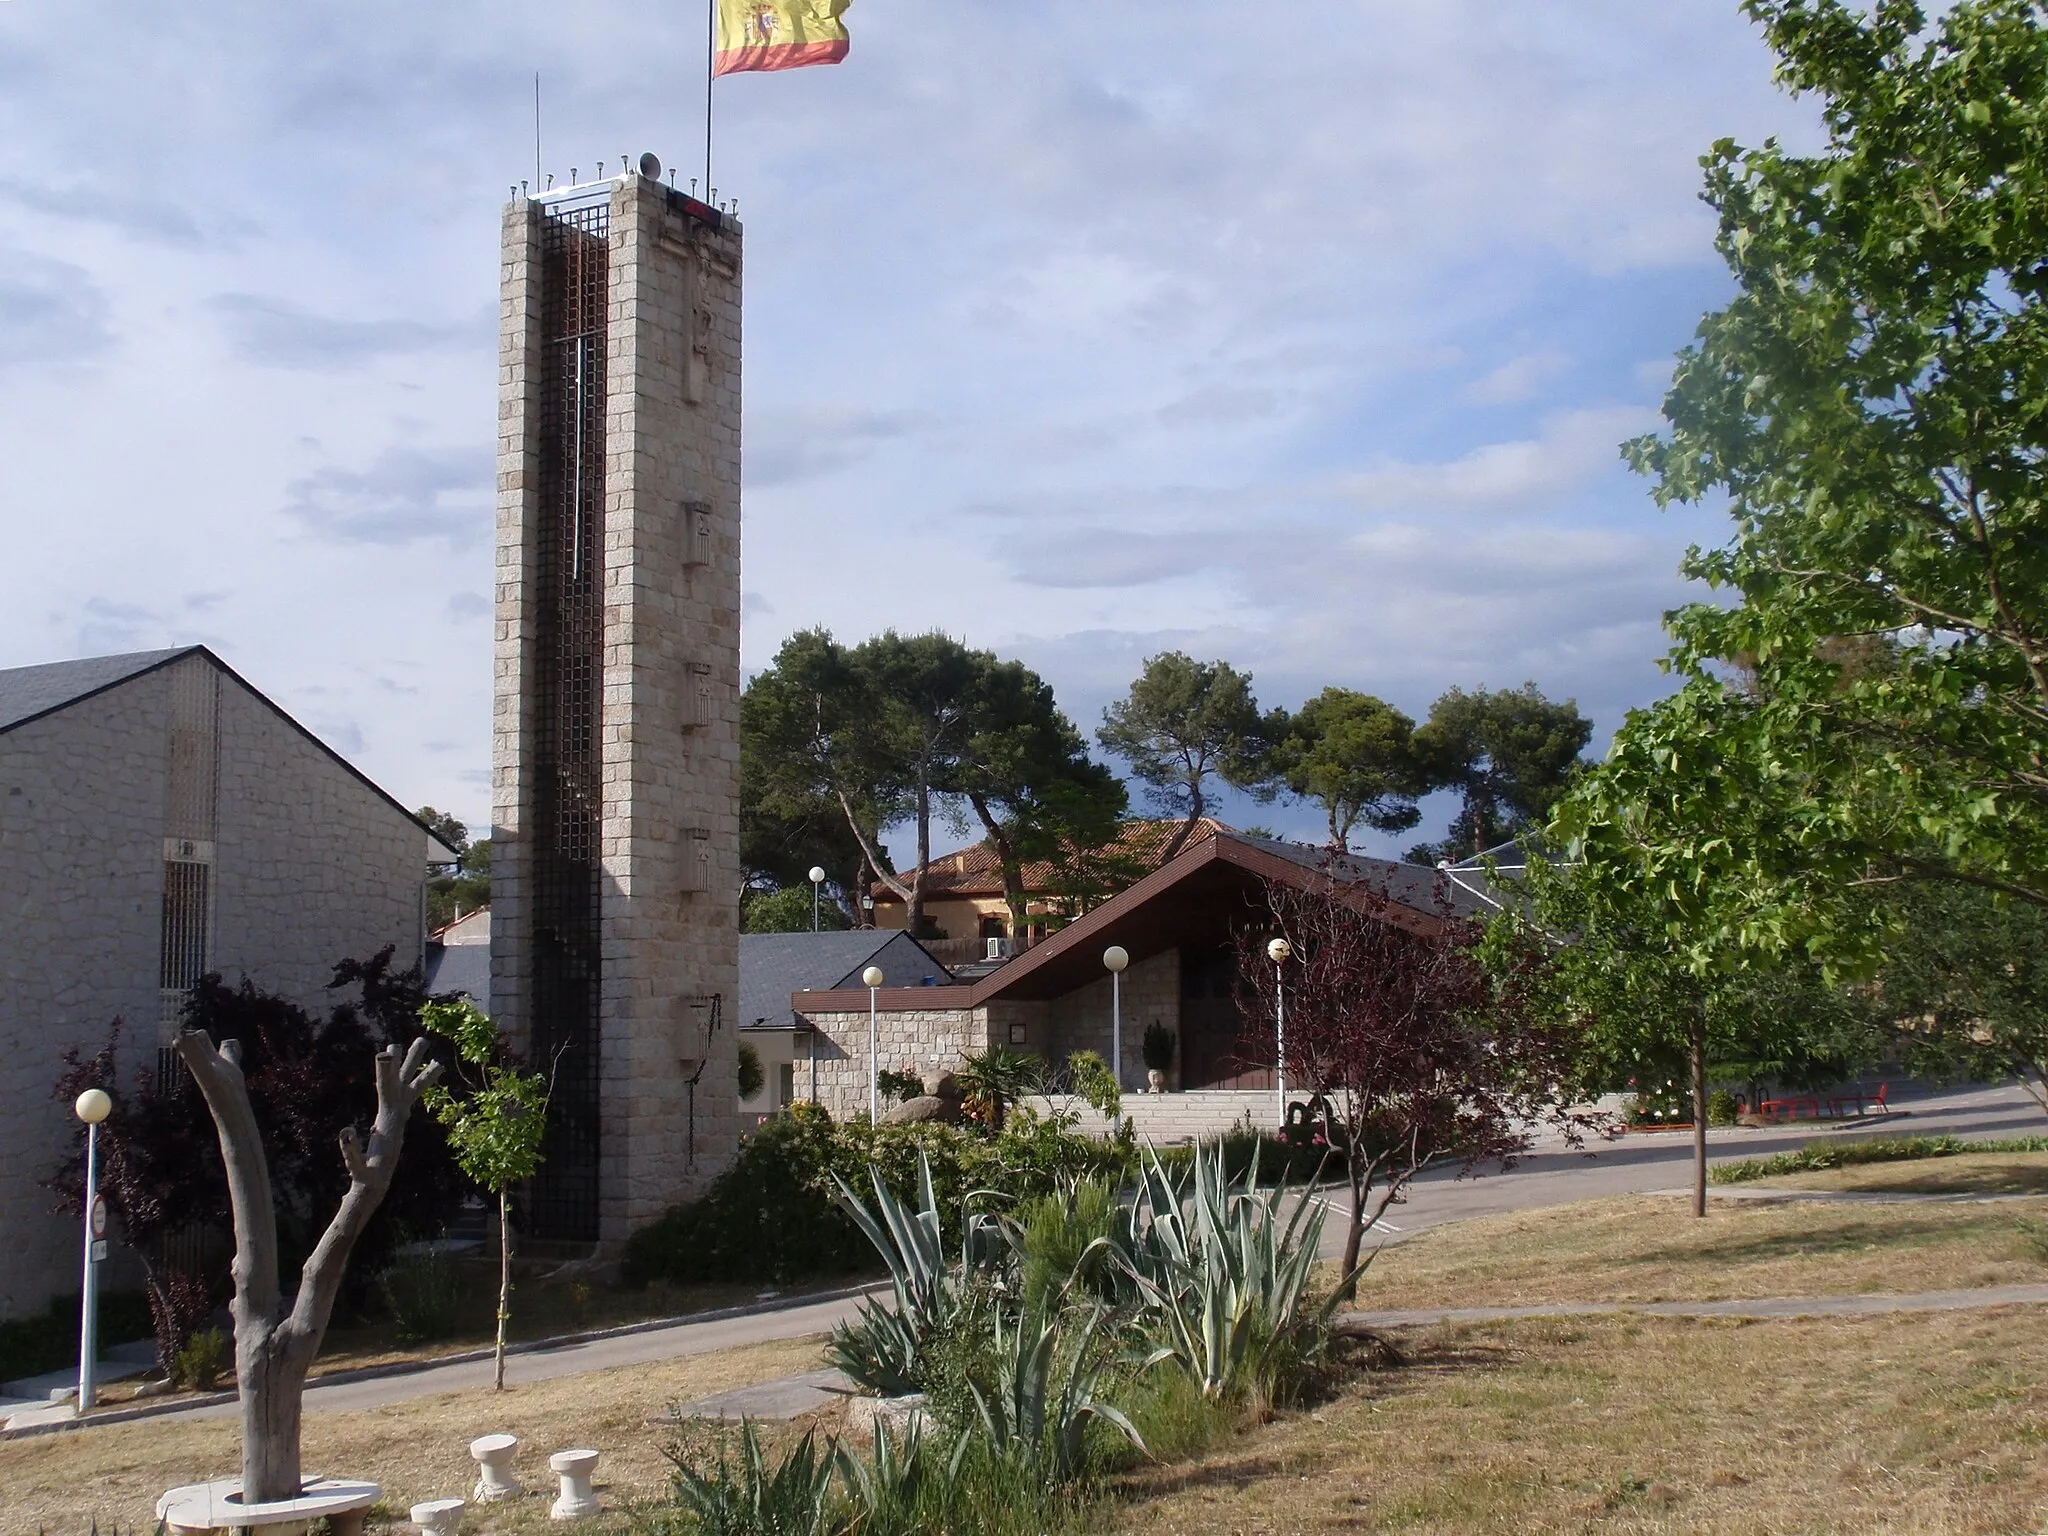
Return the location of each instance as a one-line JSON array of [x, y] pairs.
[[201, 1508]]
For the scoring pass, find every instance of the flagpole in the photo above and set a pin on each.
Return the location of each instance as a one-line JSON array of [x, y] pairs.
[[710, 62]]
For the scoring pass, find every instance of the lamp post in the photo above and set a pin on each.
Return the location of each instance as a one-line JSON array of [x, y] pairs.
[[817, 879], [1116, 958], [1278, 951], [91, 1106], [871, 978]]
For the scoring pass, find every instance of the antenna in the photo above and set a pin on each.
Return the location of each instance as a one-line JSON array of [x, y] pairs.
[[536, 127], [650, 167]]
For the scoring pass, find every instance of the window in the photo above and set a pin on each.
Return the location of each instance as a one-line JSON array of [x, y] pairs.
[[785, 1084]]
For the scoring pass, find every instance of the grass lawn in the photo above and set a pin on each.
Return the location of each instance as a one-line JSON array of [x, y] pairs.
[[1650, 1248], [2013, 1173], [1919, 1424], [63, 1483]]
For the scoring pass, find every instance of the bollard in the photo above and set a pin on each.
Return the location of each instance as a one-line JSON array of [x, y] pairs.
[[574, 1468], [439, 1517], [493, 1455]]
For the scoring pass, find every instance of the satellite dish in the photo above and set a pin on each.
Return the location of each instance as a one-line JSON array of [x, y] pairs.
[[650, 167]]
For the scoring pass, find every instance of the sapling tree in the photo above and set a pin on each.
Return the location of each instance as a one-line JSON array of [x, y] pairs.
[[1423, 1053], [494, 1129], [277, 1338]]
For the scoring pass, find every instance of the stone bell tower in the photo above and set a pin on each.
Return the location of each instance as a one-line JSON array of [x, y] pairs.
[[615, 864]]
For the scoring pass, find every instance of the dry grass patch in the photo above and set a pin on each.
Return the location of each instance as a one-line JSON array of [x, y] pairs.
[[1919, 1424], [417, 1450], [1651, 1248], [2009, 1173]]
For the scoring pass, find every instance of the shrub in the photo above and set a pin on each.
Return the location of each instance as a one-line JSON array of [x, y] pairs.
[[420, 1289], [1158, 1048], [200, 1360], [771, 1215], [48, 1340], [750, 1076], [1816, 1156], [1055, 1234], [1721, 1107], [898, 1087]]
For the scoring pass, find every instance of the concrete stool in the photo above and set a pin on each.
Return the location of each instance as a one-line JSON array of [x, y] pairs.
[[439, 1517], [493, 1456], [574, 1469]]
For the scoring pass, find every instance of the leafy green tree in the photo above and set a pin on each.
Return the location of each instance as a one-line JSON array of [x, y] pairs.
[[924, 691], [467, 886], [1509, 753], [1965, 981], [818, 782], [1183, 724], [495, 1126], [1354, 755], [789, 911], [1027, 776], [1870, 403]]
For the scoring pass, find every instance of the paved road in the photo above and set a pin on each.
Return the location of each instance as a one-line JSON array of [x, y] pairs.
[[1640, 1164]]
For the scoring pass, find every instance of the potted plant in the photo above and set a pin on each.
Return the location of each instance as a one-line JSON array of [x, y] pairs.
[[1158, 1055]]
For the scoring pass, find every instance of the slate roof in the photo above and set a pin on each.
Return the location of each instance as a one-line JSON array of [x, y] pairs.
[[774, 965], [29, 693]]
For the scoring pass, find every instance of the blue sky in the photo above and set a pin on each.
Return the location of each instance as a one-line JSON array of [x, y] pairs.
[[1080, 332]]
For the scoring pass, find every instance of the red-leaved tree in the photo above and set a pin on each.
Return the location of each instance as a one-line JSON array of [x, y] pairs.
[[1422, 1053]]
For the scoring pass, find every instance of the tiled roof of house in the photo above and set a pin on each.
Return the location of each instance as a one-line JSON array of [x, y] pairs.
[[975, 871], [28, 693]]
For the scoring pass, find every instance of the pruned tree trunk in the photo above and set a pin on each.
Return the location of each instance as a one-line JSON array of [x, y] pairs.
[[504, 1279], [275, 1346]]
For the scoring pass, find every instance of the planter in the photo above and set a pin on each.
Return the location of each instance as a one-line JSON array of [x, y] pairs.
[[1155, 1080], [206, 1507]]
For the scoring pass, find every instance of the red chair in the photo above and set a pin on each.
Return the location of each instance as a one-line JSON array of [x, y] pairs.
[[1878, 1101]]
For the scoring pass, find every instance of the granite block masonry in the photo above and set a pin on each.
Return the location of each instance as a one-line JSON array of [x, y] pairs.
[[615, 881]]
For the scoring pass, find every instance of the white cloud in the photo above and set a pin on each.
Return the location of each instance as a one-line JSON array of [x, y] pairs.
[[1517, 379], [1232, 334], [1570, 449]]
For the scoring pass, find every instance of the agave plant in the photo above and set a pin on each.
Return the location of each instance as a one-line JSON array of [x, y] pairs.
[[884, 1349], [750, 1496], [1038, 1407], [1223, 1271]]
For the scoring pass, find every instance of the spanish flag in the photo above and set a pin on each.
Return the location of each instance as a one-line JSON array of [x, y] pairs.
[[779, 34]]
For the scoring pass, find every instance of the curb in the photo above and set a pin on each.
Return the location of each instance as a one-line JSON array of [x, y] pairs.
[[163, 1409]]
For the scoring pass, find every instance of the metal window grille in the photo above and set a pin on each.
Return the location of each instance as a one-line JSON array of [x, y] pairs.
[[569, 659], [184, 934]]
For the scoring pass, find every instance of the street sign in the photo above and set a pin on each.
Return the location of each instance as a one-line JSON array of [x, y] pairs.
[[99, 1218], [99, 1250]]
